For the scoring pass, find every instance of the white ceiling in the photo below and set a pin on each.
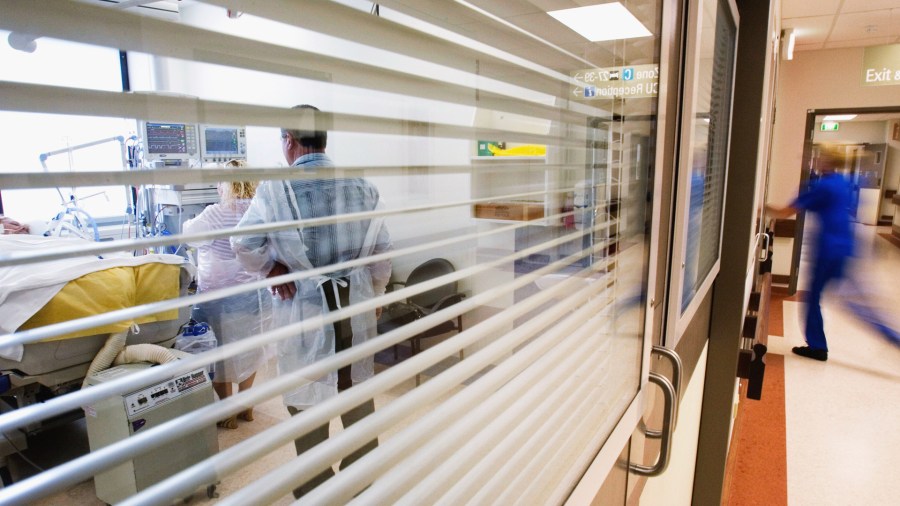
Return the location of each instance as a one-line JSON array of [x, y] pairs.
[[828, 24]]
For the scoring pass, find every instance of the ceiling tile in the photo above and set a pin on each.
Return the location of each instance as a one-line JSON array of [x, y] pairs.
[[806, 8], [808, 47], [867, 5], [876, 41], [865, 25]]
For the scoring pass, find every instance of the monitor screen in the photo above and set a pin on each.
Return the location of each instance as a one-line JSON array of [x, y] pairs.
[[218, 143], [166, 138], [221, 140], [169, 142]]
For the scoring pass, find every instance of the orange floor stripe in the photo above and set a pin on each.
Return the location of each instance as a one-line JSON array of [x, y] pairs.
[[776, 309], [756, 471], [891, 239]]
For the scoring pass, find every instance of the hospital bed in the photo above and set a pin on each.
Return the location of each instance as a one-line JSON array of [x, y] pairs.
[[37, 371]]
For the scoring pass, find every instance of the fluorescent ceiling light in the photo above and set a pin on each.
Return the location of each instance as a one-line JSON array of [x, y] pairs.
[[611, 21], [839, 117]]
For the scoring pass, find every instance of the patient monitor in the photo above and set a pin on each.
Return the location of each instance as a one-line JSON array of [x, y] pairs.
[[219, 144], [169, 144], [185, 146]]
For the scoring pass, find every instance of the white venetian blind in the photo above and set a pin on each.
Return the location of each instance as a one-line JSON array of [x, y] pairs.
[[473, 121]]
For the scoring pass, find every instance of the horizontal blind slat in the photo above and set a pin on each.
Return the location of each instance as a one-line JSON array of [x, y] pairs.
[[116, 316], [75, 470], [63, 100], [463, 473], [130, 32], [485, 420], [354, 478], [137, 244], [505, 253], [325, 16], [232, 459], [21, 417], [32, 180]]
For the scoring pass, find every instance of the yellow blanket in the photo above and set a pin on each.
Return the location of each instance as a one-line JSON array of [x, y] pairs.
[[109, 290]]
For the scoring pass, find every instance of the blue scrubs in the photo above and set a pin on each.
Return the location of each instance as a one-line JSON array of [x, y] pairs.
[[829, 199]]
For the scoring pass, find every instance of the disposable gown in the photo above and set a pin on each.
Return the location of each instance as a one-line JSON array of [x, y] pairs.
[[236, 317], [276, 201]]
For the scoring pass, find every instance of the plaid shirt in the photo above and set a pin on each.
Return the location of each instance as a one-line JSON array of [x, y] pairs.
[[317, 198]]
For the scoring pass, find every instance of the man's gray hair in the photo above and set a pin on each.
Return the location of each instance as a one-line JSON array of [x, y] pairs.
[[316, 139]]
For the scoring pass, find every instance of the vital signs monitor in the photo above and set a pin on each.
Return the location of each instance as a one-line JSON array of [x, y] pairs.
[[169, 144], [219, 144]]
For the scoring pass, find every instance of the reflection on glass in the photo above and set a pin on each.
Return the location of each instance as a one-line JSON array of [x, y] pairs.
[[709, 146], [530, 186]]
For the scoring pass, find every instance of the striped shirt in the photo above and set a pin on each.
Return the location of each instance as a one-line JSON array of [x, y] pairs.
[[217, 264]]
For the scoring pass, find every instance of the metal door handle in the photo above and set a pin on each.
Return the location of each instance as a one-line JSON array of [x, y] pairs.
[[665, 447], [764, 251], [677, 371]]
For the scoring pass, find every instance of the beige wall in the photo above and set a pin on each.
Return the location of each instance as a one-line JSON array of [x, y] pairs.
[[891, 169], [826, 79]]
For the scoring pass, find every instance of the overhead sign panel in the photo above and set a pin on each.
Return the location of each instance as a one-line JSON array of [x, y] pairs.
[[881, 65], [635, 81]]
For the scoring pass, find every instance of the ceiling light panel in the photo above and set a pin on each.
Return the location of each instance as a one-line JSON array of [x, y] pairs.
[[610, 21]]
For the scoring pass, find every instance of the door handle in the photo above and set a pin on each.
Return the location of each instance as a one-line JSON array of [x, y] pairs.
[[665, 446], [764, 251], [677, 371]]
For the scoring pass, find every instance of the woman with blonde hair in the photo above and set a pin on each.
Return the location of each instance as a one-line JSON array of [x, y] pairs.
[[236, 317]]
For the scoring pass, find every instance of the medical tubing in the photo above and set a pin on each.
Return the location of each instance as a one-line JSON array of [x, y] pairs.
[[114, 344], [146, 352]]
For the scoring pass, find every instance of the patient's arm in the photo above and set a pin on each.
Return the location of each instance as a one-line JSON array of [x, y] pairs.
[[11, 226]]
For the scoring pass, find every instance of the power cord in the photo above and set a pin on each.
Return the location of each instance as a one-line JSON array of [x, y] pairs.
[[20, 454]]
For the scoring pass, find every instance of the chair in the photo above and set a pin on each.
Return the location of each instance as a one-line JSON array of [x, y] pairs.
[[421, 305]]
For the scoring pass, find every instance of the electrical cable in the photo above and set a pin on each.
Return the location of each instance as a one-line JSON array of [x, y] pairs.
[[22, 455]]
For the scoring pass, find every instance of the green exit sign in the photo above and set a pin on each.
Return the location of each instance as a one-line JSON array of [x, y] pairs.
[[830, 126]]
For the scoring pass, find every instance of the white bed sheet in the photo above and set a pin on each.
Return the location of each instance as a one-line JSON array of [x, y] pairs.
[[25, 289]]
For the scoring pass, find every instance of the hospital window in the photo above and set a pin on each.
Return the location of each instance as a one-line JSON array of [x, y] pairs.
[[516, 163]]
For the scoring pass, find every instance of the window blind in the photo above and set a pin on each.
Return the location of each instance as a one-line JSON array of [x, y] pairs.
[[474, 123]]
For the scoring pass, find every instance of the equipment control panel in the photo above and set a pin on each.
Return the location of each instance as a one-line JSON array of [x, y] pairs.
[[162, 393]]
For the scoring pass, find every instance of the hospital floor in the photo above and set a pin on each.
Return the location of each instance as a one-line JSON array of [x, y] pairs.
[[826, 433]]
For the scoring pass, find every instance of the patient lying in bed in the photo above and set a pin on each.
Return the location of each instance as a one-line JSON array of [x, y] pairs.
[[33, 295]]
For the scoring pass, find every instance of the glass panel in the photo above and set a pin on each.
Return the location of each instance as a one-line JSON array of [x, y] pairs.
[[488, 144], [709, 147]]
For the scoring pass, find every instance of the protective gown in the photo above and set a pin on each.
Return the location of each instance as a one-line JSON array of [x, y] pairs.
[[306, 248], [231, 318]]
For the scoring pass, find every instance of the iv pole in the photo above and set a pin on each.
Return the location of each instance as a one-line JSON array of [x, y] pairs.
[[79, 219]]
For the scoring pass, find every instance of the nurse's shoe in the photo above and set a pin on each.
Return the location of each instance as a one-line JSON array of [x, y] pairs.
[[813, 353]]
